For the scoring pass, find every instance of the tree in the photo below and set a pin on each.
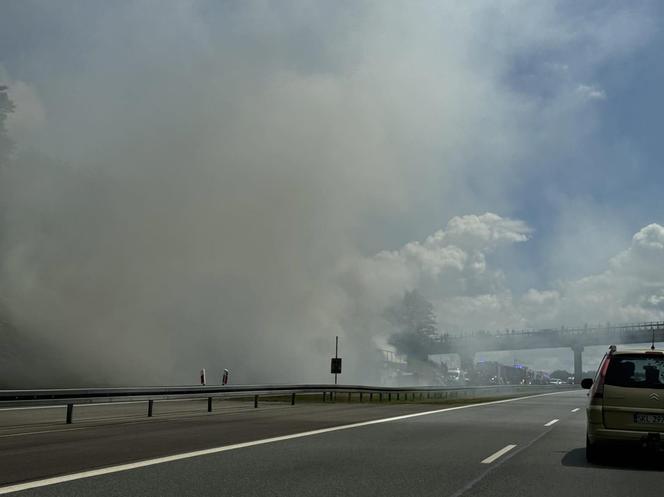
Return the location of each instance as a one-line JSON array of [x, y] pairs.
[[561, 374], [415, 321], [6, 108]]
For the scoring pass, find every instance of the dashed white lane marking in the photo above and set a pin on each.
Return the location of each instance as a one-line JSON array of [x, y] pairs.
[[552, 422], [496, 455], [575, 410], [186, 455]]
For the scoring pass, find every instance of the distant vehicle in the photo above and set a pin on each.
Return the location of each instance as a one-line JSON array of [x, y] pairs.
[[457, 377], [626, 401], [556, 381]]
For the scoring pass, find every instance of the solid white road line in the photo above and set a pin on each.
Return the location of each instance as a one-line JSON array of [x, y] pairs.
[[225, 448], [575, 410], [496, 455], [552, 422]]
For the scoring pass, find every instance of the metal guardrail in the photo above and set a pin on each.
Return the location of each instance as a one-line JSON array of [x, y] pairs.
[[72, 397]]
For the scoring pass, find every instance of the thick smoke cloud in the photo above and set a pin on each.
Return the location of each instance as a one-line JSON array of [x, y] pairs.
[[196, 181]]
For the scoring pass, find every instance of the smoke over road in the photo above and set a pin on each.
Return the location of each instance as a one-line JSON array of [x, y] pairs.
[[206, 185]]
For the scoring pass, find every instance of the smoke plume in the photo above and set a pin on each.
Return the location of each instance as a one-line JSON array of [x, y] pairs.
[[207, 184]]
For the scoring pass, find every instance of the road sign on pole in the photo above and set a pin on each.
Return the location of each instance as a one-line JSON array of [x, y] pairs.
[[335, 367], [335, 364]]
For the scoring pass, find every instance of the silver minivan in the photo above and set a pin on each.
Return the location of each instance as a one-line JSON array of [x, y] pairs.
[[626, 401]]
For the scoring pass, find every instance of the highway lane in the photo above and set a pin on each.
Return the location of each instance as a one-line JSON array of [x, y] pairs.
[[507, 448], [44, 446]]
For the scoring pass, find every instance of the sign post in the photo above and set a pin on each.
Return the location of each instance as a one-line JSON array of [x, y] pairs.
[[335, 364]]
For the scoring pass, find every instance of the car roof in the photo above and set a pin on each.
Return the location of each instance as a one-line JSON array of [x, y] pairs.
[[638, 351]]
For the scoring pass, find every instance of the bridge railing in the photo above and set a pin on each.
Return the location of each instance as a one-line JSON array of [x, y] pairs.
[[362, 393], [615, 328]]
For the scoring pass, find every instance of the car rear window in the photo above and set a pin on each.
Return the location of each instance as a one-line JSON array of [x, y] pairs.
[[638, 371]]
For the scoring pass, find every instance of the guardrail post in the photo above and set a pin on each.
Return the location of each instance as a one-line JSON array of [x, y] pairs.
[[70, 412], [292, 399], [370, 396], [323, 396], [380, 397], [397, 395], [428, 395], [360, 397], [389, 397], [150, 403], [209, 404], [349, 394], [255, 401]]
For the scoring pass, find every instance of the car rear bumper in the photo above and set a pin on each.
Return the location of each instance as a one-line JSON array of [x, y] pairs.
[[600, 434]]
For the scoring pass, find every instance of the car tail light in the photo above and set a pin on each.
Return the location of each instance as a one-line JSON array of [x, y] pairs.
[[597, 393]]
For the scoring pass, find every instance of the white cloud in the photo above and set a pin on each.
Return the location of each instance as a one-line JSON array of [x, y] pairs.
[[458, 251], [591, 92], [651, 238], [630, 289], [483, 232], [451, 268]]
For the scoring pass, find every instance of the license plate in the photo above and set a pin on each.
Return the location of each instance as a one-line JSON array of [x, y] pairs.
[[648, 419]]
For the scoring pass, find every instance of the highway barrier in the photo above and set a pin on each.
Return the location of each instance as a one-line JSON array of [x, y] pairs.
[[72, 397]]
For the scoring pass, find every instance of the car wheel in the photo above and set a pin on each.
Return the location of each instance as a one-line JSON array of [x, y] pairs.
[[591, 452]]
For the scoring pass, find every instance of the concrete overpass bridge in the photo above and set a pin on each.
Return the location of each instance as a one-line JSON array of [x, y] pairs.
[[465, 346]]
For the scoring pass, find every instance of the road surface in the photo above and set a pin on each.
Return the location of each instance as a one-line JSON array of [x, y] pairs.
[[520, 447]]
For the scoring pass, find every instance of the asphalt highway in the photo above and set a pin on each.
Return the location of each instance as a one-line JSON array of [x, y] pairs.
[[520, 447]]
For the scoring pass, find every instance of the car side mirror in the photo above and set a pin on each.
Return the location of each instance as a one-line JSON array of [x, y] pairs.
[[586, 383]]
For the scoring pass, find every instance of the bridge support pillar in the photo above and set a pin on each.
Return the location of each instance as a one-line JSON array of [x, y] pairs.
[[467, 361], [578, 363]]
